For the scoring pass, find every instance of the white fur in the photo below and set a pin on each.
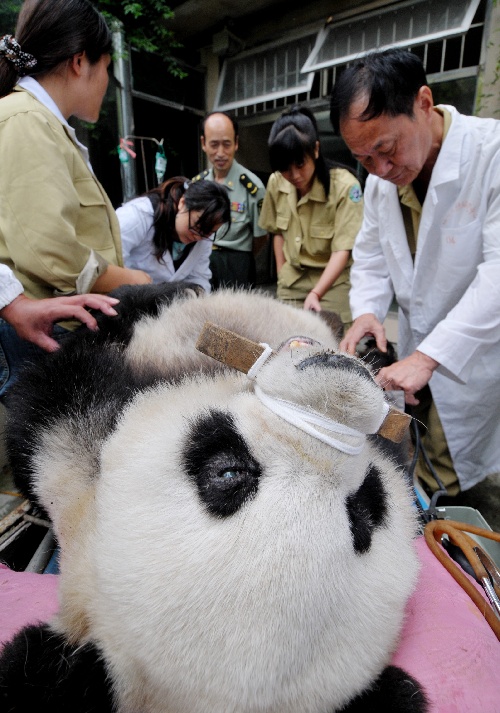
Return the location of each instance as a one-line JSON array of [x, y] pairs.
[[268, 610]]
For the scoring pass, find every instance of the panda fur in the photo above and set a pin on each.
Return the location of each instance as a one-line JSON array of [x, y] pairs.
[[213, 556]]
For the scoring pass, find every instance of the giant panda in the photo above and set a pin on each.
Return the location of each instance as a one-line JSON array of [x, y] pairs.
[[227, 544]]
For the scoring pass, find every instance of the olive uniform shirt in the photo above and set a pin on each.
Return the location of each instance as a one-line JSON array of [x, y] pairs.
[[313, 227], [410, 205], [246, 193]]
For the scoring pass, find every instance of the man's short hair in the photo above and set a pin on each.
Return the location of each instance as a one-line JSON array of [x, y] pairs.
[[390, 80], [231, 119]]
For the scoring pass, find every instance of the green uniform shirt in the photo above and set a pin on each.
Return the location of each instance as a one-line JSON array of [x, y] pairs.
[[246, 193]]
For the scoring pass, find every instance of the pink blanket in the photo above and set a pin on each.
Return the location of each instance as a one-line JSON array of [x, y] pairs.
[[25, 598], [445, 644]]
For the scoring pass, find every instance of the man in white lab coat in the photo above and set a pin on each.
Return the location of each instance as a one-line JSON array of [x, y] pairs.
[[431, 239]]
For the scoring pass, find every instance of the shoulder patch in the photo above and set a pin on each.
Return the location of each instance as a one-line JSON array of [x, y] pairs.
[[201, 175], [249, 185], [355, 193]]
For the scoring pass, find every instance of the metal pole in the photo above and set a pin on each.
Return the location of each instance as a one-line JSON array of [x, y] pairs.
[[121, 71]]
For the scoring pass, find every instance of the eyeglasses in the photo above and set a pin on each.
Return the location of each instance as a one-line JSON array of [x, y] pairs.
[[194, 230]]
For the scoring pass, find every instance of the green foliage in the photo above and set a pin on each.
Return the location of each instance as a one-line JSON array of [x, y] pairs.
[[146, 27], [145, 24], [9, 10]]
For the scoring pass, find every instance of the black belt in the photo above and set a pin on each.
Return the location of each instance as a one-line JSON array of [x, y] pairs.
[[223, 247]]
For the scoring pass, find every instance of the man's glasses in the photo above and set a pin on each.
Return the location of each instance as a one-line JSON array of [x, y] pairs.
[[195, 231]]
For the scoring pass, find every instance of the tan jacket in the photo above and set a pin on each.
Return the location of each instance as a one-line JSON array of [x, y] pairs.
[[58, 229], [315, 225]]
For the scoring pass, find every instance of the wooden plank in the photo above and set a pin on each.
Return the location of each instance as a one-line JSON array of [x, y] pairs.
[[228, 347], [395, 425]]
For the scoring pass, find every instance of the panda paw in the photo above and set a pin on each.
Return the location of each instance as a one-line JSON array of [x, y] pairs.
[[40, 671], [395, 691]]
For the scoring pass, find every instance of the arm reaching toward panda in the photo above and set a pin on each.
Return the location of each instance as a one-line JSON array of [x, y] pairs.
[[33, 320]]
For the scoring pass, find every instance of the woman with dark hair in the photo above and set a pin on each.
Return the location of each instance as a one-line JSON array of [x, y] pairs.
[[169, 231], [314, 209], [58, 230]]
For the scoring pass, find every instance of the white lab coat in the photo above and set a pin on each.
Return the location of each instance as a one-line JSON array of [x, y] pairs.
[[136, 228], [449, 301]]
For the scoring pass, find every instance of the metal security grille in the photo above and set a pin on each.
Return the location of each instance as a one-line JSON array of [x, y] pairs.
[[406, 24], [447, 56], [265, 75]]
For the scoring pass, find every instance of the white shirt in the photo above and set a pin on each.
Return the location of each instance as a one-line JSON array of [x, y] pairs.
[[136, 226], [10, 287]]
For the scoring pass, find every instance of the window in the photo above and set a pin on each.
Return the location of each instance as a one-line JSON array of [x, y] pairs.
[[265, 75], [402, 25]]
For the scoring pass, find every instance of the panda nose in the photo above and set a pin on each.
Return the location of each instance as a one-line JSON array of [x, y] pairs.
[[328, 360]]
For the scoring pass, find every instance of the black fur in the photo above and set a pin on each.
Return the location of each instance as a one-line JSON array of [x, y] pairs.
[[373, 357], [367, 509], [137, 301], [94, 391], [218, 460], [40, 671], [96, 386], [376, 360], [335, 361], [395, 691]]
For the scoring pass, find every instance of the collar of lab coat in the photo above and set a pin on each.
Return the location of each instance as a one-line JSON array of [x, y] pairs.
[[449, 160]]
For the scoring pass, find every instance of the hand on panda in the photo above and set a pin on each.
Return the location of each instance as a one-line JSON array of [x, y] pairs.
[[365, 325], [409, 375], [33, 320]]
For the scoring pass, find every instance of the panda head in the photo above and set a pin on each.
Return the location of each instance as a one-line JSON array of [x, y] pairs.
[[332, 386], [225, 542]]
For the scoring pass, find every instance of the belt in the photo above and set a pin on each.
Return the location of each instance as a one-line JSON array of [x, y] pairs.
[[223, 247]]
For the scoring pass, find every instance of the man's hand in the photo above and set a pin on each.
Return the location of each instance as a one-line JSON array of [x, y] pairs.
[[408, 375], [364, 325], [34, 319]]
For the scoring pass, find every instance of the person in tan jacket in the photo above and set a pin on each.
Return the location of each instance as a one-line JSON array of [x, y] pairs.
[[58, 230], [314, 210]]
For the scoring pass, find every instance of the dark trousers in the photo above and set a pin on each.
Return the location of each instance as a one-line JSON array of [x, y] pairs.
[[16, 352], [232, 268]]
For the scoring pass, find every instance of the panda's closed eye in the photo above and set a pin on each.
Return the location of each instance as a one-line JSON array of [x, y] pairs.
[[217, 458]]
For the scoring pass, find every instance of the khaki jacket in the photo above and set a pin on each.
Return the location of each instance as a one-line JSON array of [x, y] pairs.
[[58, 229], [315, 225]]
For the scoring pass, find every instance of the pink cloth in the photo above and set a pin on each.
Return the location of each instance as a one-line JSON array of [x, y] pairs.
[[25, 598], [445, 644]]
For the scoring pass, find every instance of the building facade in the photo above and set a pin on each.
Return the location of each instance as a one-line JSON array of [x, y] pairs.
[[257, 59]]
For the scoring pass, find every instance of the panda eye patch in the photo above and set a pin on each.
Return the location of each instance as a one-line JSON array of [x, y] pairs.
[[217, 458]]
